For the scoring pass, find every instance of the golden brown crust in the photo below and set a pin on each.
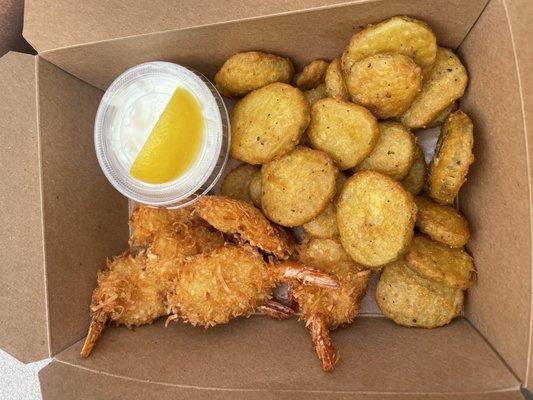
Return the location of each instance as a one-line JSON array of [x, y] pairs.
[[236, 183], [386, 84], [399, 34], [313, 95], [412, 301], [324, 225], [268, 123], [255, 189], [247, 71], [452, 159], [441, 223], [448, 266], [345, 131], [415, 179], [446, 83], [312, 75], [238, 217], [298, 186], [443, 115], [334, 80], [376, 217], [394, 152]]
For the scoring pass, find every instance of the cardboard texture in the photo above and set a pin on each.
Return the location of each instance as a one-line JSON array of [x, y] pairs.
[[11, 17], [69, 218]]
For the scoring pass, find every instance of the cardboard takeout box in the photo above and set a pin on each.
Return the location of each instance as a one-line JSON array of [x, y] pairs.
[[60, 218]]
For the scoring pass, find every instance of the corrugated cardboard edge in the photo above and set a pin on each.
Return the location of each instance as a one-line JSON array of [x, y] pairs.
[[519, 15], [24, 330]]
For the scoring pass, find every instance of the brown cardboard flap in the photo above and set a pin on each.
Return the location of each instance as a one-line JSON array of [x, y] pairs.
[[85, 217], [266, 356], [497, 197], [23, 326], [315, 33], [11, 27]]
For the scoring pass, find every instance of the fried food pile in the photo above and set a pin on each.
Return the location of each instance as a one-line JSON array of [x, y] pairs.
[[345, 171], [332, 187]]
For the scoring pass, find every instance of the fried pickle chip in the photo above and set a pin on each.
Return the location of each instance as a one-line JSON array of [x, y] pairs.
[[345, 131], [313, 95], [441, 223], [239, 217], [255, 189], [415, 179], [268, 123], [215, 287], [443, 115], [448, 266], [324, 225], [399, 35], [446, 83], [244, 72], [376, 217], [334, 80], [236, 184], [452, 159], [394, 152], [386, 84], [339, 306], [410, 300], [312, 75], [298, 186]]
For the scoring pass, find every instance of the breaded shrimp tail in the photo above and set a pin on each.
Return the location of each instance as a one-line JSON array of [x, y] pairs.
[[276, 310], [294, 271], [97, 325], [322, 342]]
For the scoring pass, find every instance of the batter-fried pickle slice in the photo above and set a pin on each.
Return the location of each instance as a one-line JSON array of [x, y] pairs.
[[255, 189], [413, 301], [386, 84], [441, 223], [313, 95], [400, 35], [394, 152], [335, 84], [268, 123], [244, 72], [376, 217], [443, 115], [298, 186], [446, 83], [452, 159], [236, 184], [415, 179], [238, 217], [345, 131], [312, 75], [445, 265], [324, 225]]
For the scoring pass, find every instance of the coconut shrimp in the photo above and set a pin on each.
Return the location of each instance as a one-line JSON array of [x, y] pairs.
[[324, 309]]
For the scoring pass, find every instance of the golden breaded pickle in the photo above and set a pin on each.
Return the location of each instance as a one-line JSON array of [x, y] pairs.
[[312, 75], [448, 266], [346, 131], [443, 115], [324, 225], [233, 216], [313, 95], [415, 179], [398, 35], [268, 123], [255, 189], [334, 80], [412, 301], [386, 84], [446, 83], [236, 184], [452, 159], [244, 72], [376, 217], [298, 186], [441, 223], [394, 152]]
